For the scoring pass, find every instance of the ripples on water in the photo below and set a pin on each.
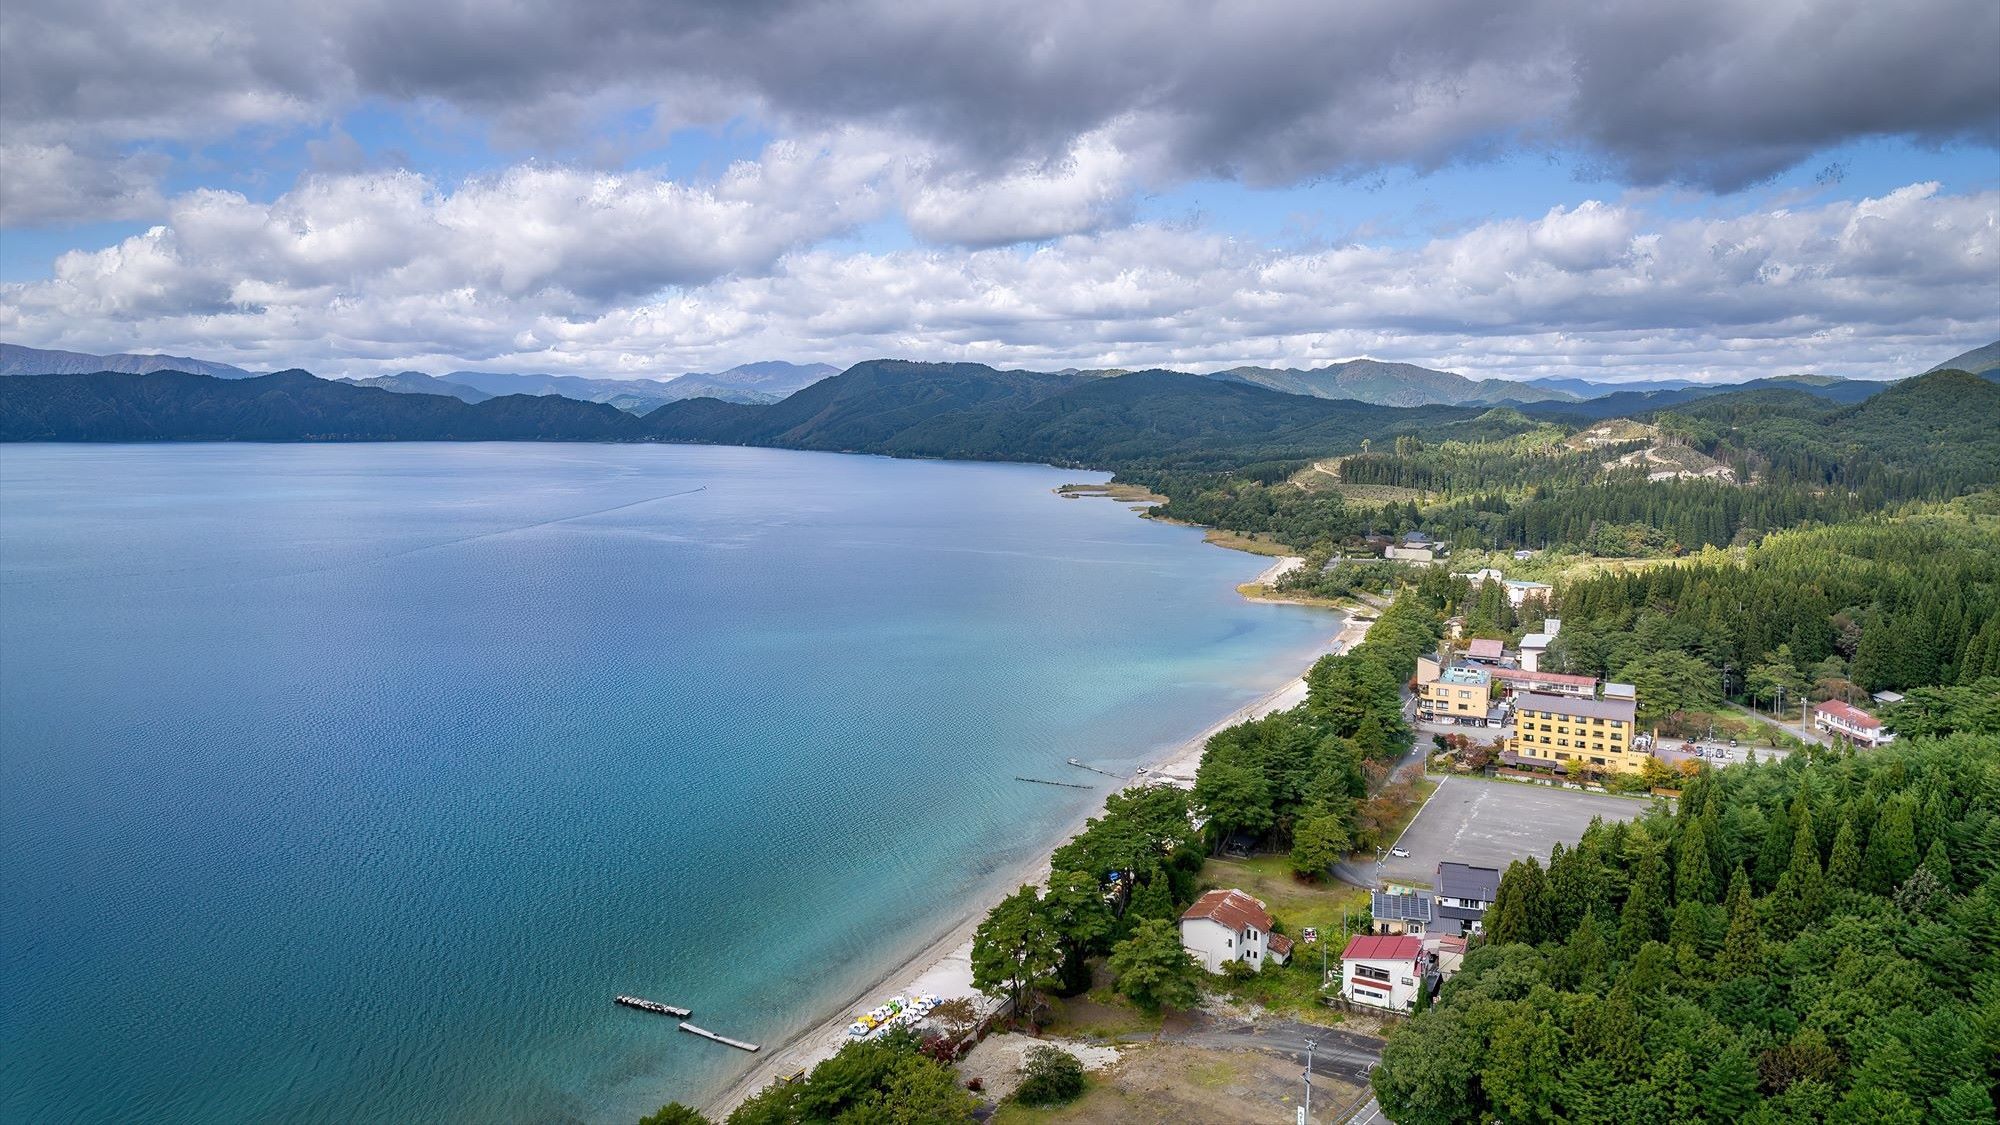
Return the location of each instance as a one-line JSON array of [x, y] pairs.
[[348, 783]]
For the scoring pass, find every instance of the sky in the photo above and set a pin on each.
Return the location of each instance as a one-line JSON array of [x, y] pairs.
[[1600, 189]]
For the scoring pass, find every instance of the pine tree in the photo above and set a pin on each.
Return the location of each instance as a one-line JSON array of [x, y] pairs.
[[1586, 952], [1684, 933], [1965, 1101], [1520, 910], [1693, 881], [1743, 948], [1729, 1086], [1939, 864], [1801, 887], [1636, 924], [1151, 900], [1775, 851], [1892, 850], [1843, 868], [1153, 970]]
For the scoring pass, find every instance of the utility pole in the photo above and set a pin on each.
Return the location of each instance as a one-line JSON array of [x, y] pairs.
[[1311, 1045]]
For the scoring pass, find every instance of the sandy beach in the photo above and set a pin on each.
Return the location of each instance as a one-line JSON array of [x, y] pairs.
[[944, 967]]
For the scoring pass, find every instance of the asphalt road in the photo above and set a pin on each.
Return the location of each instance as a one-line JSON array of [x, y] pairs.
[[1341, 1054]]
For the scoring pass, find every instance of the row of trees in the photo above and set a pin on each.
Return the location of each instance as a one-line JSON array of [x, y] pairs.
[[1116, 890], [887, 1080], [1817, 940], [1301, 780]]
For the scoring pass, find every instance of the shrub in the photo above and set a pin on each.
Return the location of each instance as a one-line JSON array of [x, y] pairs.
[[1052, 1076], [673, 1113]]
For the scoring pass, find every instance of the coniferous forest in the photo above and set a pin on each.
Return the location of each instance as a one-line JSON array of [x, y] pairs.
[[1817, 940]]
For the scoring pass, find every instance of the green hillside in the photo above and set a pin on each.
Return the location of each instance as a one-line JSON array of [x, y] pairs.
[[286, 406]]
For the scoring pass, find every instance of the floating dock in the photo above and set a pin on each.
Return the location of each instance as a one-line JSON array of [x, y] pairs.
[[653, 1006], [1092, 769], [1045, 781], [722, 1039]]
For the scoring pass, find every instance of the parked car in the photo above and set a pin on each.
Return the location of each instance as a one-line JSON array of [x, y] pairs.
[[1399, 853]]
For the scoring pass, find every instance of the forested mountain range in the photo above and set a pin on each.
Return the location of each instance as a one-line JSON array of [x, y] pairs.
[[1926, 434], [286, 406], [1360, 380], [767, 381]]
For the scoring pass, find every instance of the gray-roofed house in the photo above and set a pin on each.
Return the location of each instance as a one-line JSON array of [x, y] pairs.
[[1463, 893], [1401, 911]]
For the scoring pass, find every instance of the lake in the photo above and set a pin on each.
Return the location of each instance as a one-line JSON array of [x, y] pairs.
[[348, 783]]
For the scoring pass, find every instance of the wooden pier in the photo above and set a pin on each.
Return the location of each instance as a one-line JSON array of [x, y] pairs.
[[1045, 781], [653, 1006], [1094, 769], [722, 1039]]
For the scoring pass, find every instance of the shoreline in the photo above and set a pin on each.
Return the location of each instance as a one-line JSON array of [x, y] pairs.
[[944, 965]]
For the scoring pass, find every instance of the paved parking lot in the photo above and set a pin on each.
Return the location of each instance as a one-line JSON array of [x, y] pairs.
[[1492, 823]]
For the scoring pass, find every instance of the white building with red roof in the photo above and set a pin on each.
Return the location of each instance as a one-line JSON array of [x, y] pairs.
[[1228, 925], [1383, 972], [1849, 722], [1512, 680]]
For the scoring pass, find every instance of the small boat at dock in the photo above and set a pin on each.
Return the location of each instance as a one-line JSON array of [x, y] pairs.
[[653, 1006]]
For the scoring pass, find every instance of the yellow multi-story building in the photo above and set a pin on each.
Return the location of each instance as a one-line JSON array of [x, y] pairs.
[[1577, 735], [1455, 695]]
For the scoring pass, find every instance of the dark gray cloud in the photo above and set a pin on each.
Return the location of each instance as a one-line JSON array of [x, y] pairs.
[[1714, 93]]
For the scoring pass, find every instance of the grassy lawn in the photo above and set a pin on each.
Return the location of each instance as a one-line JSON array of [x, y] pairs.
[[1094, 1105], [1165, 1084], [1117, 490], [1260, 593], [1258, 544], [1098, 1014]]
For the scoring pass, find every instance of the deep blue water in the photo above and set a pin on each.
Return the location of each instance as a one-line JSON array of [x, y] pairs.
[[347, 783]]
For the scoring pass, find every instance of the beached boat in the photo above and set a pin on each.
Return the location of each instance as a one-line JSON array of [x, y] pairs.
[[899, 1011]]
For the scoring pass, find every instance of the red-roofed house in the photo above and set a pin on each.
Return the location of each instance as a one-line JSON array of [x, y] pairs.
[[1849, 722], [1384, 972], [1224, 926], [1513, 680], [1485, 651]]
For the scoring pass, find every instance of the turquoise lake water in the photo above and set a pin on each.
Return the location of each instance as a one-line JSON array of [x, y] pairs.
[[347, 783]]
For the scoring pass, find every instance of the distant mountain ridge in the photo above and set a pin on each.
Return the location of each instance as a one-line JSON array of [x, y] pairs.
[[766, 381], [1983, 360], [418, 383], [18, 360], [1392, 384]]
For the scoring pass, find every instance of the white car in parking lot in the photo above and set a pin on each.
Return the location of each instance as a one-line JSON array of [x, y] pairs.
[[1400, 853]]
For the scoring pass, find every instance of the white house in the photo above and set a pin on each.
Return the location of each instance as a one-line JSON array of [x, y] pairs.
[[1384, 972], [1518, 591], [1533, 645], [1851, 723], [1225, 926]]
